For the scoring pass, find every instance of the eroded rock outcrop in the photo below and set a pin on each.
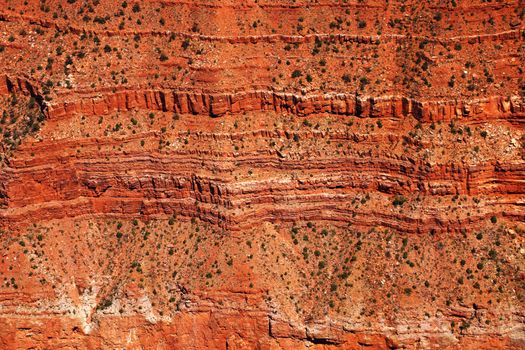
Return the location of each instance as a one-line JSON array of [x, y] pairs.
[[262, 175]]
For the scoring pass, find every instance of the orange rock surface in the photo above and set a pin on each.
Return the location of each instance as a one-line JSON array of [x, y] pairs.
[[262, 174]]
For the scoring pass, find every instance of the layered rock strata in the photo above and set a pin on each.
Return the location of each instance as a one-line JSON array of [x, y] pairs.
[[262, 174]]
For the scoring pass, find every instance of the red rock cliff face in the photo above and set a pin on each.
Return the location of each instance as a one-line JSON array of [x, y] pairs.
[[262, 174]]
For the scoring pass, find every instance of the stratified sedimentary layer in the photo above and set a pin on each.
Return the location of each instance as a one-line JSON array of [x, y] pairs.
[[262, 174], [176, 284]]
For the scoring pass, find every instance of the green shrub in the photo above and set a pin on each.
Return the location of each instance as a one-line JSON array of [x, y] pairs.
[[399, 201]]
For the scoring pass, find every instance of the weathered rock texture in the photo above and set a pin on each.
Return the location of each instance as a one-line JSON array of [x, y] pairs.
[[262, 174]]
